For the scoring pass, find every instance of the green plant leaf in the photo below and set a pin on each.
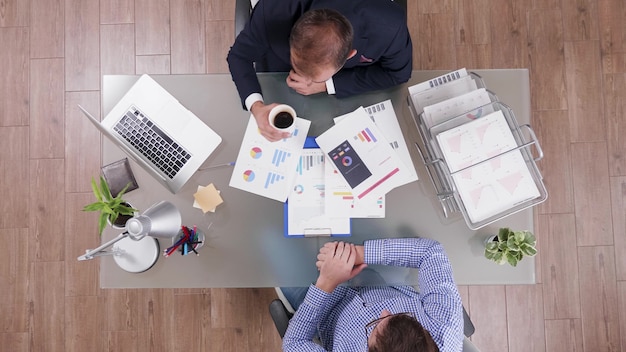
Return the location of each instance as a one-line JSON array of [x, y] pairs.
[[96, 190], [106, 192], [528, 250], [497, 257], [512, 243], [491, 246], [530, 239], [503, 234], [113, 216], [94, 207], [106, 209], [114, 203], [511, 259], [102, 222], [125, 210]]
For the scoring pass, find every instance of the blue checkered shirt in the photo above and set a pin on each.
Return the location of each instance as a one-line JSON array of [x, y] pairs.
[[339, 318]]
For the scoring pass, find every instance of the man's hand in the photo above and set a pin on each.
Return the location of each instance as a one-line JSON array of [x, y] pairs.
[[329, 248], [304, 86], [261, 113], [338, 266]]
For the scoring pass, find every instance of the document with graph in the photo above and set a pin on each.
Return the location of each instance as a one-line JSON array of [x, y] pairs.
[[268, 168], [363, 156], [306, 213], [457, 111], [384, 116], [489, 174], [447, 90], [341, 202]]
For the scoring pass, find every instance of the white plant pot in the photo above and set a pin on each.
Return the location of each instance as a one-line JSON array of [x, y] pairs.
[[118, 224], [491, 238]]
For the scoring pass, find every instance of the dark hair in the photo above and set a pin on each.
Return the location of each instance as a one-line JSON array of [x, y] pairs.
[[404, 333], [320, 37]]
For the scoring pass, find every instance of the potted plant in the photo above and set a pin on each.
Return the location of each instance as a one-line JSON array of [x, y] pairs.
[[113, 209], [510, 246]]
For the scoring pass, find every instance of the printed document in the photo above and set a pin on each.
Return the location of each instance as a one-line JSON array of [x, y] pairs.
[[268, 168], [363, 156], [307, 214]]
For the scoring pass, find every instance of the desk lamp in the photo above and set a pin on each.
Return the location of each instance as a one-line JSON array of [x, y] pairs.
[[136, 249]]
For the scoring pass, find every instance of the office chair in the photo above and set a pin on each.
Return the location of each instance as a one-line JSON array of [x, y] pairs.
[[242, 14], [243, 9], [281, 316]]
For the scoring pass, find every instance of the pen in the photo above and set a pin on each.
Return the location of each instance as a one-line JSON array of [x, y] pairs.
[[171, 249], [194, 250], [232, 163], [193, 240]]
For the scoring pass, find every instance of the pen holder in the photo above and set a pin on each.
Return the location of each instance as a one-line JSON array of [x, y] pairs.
[[191, 245]]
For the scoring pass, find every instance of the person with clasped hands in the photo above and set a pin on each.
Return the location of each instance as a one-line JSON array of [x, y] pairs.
[[335, 46], [378, 318]]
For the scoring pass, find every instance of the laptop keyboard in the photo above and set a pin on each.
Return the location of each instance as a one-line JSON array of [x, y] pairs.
[[153, 143]]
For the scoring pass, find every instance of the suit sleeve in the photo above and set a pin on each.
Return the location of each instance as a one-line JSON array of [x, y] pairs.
[[250, 45], [391, 69]]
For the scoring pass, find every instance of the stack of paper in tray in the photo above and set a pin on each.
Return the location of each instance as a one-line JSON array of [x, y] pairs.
[[355, 164], [476, 142]]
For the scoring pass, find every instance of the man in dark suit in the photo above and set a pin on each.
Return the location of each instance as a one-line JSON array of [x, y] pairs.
[[336, 46]]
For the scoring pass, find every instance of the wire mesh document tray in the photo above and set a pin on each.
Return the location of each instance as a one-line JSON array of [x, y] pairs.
[[479, 160]]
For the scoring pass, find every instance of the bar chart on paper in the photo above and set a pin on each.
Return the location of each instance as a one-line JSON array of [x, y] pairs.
[[309, 162], [280, 157], [272, 179]]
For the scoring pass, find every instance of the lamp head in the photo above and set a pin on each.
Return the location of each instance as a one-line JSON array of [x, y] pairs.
[[161, 220]]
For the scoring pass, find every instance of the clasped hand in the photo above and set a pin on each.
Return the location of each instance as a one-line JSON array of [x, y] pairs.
[[304, 86], [337, 263]]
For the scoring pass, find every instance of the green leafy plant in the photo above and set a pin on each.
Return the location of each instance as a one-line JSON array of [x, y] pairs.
[[511, 246], [109, 207]]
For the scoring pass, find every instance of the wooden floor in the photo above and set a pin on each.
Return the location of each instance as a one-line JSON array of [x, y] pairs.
[[54, 52]]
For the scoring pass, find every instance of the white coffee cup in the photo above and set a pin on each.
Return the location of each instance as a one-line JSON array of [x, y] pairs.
[[283, 118]]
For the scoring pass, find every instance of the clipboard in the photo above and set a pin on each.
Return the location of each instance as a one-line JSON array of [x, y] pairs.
[[310, 232]]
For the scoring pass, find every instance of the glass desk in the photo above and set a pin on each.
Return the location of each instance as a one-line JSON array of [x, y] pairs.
[[245, 244]]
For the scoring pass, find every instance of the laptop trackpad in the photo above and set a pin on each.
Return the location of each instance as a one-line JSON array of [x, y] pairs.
[[174, 117]]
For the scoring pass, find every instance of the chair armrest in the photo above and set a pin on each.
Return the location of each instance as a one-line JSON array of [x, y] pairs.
[[468, 346], [468, 326], [242, 14], [280, 316]]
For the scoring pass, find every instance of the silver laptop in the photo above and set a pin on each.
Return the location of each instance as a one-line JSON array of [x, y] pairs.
[[158, 133]]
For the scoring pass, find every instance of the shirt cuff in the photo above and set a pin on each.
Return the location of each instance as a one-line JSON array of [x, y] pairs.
[[253, 98], [317, 297], [330, 86], [373, 252]]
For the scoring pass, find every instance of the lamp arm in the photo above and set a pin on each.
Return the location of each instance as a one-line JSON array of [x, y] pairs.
[[90, 254]]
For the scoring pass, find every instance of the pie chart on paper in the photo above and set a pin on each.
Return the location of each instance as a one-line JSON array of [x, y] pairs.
[[256, 153], [248, 175]]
